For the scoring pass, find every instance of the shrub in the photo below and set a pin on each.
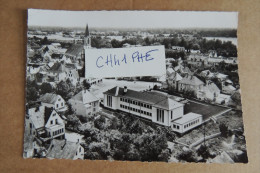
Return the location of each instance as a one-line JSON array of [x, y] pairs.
[[223, 128], [187, 156]]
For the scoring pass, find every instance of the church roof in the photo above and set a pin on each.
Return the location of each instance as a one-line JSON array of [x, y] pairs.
[[74, 50], [87, 31]]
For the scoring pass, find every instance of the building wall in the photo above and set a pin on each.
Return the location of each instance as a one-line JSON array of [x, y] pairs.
[[187, 125], [55, 126], [79, 108], [79, 153]]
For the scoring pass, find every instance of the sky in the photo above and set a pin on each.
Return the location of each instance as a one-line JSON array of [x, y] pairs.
[[133, 19]]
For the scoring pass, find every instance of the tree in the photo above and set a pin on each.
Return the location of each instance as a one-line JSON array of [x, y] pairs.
[[46, 88], [203, 151], [62, 89], [31, 91], [86, 85], [187, 156], [115, 43], [223, 128], [164, 156], [99, 123]]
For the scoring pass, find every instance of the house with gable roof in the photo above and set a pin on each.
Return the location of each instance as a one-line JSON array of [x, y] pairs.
[[44, 123], [85, 103], [209, 91], [190, 83], [52, 100], [172, 78]]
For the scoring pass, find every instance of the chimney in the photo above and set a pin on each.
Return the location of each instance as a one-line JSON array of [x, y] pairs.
[[125, 89]]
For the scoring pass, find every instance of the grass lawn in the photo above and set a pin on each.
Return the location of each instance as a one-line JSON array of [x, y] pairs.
[[206, 110]]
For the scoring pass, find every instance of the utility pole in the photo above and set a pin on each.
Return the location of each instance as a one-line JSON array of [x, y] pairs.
[[204, 134]]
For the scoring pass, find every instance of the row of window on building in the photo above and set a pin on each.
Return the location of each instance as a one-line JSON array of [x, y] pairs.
[[135, 110], [109, 101], [136, 103], [160, 115], [57, 132], [191, 123]]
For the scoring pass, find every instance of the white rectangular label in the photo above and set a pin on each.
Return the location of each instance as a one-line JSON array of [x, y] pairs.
[[125, 62]]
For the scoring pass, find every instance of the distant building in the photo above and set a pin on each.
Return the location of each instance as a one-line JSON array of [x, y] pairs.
[[172, 79], [190, 83], [63, 149], [178, 48], [159, 108], [85, 103], [209, 91], [51, 100]]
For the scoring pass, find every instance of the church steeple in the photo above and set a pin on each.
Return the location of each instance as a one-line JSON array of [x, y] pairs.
[[86, 31], [87, 39]]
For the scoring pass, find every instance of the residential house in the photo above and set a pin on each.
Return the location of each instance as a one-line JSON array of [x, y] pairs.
[[63, 149], [228, 89], [209, 91], [76, 54], [51, 100], [85, 103], [183, 71], [172, 79], [190, 83], [156, 107], [44, 123], [235, 100], [57, 72], [207, 74]]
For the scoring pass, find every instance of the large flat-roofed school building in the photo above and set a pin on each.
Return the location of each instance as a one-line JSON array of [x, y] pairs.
[[157, 107]]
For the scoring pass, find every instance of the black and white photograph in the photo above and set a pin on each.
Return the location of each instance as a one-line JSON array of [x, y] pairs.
[[191, 113]]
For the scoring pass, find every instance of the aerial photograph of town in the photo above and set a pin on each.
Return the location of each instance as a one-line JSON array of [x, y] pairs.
[[193, 113]]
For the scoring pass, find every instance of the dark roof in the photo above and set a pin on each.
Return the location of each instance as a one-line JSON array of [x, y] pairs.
[[47, 114], [191, 80], [57, 67], [74, 50], [87, 31], [56, 56], [49, 98], [154, 98]]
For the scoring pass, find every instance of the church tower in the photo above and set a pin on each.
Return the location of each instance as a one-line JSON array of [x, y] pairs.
[[87, 39]]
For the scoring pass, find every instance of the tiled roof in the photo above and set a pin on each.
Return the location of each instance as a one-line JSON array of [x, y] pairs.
[[212, 87], [39, 116], [191, 80], [74, 50], [187, 117], [89, 97], [62, 149], [56, 56], [49, 98], [154, 98], [57, 67]]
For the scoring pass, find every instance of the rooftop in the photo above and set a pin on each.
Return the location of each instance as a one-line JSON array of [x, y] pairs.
[[62, 149], [191, 80], [74, 50], [88, 97], [187, 117], [154, 98], [49, 98]]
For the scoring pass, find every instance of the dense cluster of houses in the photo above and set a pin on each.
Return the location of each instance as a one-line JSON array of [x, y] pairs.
[[45, 121]]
